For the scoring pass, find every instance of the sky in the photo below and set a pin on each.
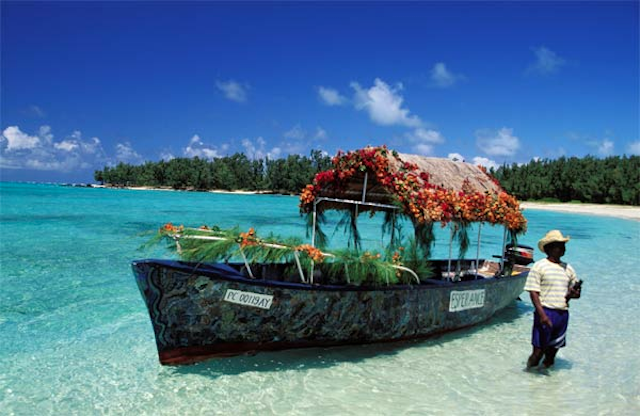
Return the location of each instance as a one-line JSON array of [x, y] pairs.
[[84, 85]]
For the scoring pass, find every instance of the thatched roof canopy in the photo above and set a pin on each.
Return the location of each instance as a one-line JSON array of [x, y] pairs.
[[426, 189], [449, 174]]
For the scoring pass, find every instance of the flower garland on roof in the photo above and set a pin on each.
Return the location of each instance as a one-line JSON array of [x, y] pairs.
[[421, 200]]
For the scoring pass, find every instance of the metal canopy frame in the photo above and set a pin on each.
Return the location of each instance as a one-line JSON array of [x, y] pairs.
[[393, 208]]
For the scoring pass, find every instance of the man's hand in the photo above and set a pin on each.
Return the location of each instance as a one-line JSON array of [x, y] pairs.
[[535, 299], [544, 319], [573, 293]]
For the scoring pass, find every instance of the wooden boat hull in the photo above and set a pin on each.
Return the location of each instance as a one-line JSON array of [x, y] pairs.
[[211, 310]]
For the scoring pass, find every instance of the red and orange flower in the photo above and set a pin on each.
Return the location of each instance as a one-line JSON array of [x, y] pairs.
[[249, 238], [314, 253], [169, 228]]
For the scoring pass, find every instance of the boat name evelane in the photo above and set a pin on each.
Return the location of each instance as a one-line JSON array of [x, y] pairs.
[[257, 300], [467, 299]]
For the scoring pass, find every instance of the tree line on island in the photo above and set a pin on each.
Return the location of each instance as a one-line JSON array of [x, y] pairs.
[[230, 173], [611, 180]]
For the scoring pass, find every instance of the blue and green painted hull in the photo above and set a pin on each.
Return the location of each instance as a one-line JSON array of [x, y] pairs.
[[201, 311]]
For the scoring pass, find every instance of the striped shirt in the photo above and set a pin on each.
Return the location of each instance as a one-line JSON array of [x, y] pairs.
[[552, 281]]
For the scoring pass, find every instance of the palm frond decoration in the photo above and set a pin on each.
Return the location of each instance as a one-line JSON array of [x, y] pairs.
[[348, 223], [321, 239], [424, 237], [392, 226], [415, 258], [461, 233], [344, 267], [361, 269]]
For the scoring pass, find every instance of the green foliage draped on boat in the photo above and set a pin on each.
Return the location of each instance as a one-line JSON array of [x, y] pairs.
[[213, 244]]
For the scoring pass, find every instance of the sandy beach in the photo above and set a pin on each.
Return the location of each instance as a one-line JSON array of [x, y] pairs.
[[214, 191], [619, 211]]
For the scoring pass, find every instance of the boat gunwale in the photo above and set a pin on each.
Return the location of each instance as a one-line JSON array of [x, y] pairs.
[[202, 270]]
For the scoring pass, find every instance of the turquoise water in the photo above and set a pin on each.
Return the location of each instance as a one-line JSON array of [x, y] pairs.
[[75, 337]]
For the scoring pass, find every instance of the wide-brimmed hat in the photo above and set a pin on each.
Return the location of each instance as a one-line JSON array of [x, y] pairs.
[[553, 236]]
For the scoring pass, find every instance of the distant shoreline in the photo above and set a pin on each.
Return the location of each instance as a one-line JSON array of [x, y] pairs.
[[214, 191], [617, 211]]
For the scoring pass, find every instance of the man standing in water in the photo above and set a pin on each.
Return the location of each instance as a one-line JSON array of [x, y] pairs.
[[551, 283]]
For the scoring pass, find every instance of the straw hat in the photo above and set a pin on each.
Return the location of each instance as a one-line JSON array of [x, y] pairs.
[[553, 236]]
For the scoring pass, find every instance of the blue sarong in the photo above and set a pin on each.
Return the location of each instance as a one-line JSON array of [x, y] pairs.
[[544, 336]]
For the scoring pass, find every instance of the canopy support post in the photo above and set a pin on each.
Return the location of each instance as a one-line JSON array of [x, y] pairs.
[[313, 230], [364, 188], [393, 229], [450, 252], [478, 249], [504, 249]]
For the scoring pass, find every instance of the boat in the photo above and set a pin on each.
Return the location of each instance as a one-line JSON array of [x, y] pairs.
[[231, 297]]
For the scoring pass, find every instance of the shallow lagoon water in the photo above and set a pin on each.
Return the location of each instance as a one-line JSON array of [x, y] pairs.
[[75, 337]]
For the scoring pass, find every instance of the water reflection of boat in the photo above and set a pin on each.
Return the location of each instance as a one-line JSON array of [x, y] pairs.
[[210, 309]]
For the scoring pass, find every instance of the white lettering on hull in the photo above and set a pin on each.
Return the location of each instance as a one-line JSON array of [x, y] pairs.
[[467, 299], [257, 300]]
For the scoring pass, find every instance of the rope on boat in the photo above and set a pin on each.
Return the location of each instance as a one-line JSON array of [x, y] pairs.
[[177, 238]]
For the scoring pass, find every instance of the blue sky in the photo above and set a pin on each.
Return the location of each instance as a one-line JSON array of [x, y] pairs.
[[90, 84]]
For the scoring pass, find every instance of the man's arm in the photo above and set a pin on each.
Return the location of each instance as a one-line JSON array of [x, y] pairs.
[[575, 284], [535, 299]]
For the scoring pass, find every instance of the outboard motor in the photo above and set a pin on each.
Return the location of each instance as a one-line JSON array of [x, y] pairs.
[[520, 254]]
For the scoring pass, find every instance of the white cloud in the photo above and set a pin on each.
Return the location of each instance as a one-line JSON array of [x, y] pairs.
[[427, 135], [73, 142], [456, 157], [9, 163], [487, 163], [384, 104], [19, 150], [442, 77], [45, 134], [197, 148], [299, 134], [66, 145], [233, 90], [423, 149], [497, 143], [605, 148], [166, 156], [46, 165], [18, 140], [320, 134], [634, 148], [92, 147], [330, 96], [423, 140], [258, 150], [254, 151], [547, 62], [275, 153], [296, 133], [127, 154]]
